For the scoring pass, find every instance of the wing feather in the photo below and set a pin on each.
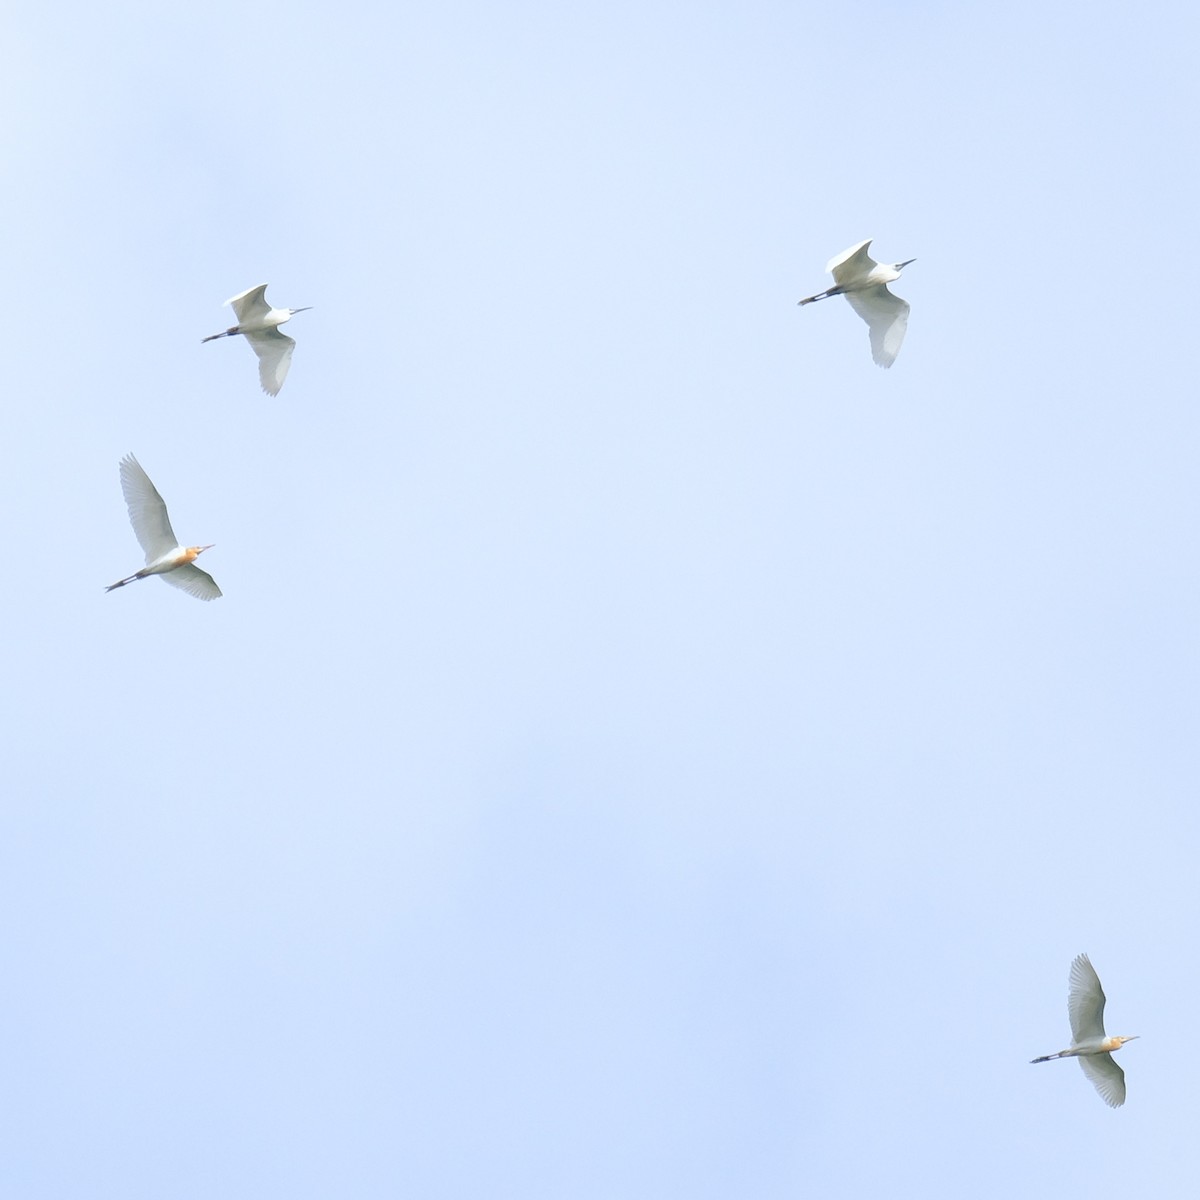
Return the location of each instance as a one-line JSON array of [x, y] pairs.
[[274, 350], [195, 582], [1085, 1002], [1106, 1076], [250, 303], [147, 512], [852, 263], [887, 317]]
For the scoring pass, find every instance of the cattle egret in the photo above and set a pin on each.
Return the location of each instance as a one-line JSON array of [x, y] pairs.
[[864, 282], [1085, 1006], [165, 557], [259, 323]]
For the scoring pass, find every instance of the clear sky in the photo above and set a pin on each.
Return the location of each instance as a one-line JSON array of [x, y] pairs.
[[644, 749]]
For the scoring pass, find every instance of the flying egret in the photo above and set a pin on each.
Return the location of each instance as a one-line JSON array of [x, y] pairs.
[[259, 323], [1085, 1006], [864, 282], [165, 557]]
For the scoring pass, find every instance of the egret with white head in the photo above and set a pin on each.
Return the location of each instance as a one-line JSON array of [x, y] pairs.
[[259, 324], [863, 282]]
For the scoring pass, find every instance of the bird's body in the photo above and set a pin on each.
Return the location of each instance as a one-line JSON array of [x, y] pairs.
[[165, 557], [1089, 1043], [259, 323], [863, 282]]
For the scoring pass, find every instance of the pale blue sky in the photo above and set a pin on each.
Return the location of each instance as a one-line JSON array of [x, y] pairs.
[[644, 750]]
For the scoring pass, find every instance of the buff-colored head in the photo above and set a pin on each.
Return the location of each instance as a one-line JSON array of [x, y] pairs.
[[1115, 1043], [194, 552]]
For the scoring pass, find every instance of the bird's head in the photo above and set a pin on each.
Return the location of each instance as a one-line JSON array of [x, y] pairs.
[[1118, 1042], [196, 551]]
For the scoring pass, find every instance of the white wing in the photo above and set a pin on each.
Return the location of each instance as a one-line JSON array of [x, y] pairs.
[[1107, 1078], [1085, 1006], [851, 264], [147, 512], [250, 303], [274, 350], [195, 582], [887, 315]]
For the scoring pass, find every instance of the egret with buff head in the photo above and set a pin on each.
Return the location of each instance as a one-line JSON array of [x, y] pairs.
[[165, 557], [1089, 1043]]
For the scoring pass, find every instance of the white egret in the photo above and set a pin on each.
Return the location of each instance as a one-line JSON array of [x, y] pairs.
[[1085, 1007], [259, 323], [165, 557], [863, 282]]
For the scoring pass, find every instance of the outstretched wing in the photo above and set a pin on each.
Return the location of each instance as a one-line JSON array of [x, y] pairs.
[[1107, 1078], [887, 316], [250, 303], [189, 578], [274, 350], [1085, 1003], [147, 512]]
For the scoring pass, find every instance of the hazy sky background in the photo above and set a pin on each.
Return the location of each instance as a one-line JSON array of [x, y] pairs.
[[644, 750]]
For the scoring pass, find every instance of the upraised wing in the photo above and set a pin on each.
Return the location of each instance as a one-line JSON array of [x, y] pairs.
[[851, 264], [250, 303], [274, 350], [1085, 1005], [147, 512]]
